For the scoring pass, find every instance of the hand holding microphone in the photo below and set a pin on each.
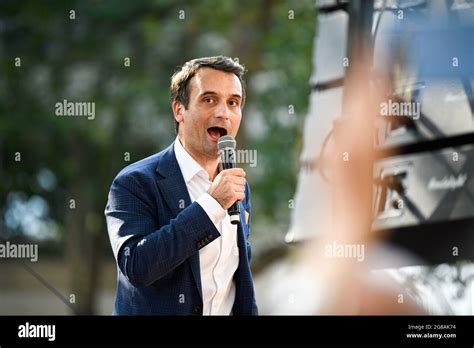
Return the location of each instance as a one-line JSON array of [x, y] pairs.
[[229, 185]]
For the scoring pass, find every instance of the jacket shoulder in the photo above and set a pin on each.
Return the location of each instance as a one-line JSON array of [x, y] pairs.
[[145, 166]]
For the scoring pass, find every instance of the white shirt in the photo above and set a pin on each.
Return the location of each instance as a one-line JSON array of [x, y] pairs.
[[220, 258]]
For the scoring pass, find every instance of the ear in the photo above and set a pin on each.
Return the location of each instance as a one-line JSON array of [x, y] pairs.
[[178, 110]]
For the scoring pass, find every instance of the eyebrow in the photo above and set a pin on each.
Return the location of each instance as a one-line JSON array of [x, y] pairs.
[[214, 93]]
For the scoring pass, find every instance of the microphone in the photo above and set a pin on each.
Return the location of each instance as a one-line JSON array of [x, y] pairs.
[[226, 146]]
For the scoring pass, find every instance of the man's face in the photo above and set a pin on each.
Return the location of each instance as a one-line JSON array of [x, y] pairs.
[[213, 111]]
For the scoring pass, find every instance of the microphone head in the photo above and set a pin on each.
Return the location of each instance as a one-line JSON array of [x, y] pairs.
[[226, 141]]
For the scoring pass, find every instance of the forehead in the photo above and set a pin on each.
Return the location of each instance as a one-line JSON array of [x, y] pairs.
[[213, 80]]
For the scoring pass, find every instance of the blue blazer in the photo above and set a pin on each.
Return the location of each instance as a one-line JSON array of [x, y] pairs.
[[156, 233]]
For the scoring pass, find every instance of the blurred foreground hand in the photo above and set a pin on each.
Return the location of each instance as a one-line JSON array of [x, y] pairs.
[[332, 274]]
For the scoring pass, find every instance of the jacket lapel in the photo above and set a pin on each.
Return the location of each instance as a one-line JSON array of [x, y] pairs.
[[242, 215], [173, 189]]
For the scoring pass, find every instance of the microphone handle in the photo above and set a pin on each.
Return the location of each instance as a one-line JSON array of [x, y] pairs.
[[234, 210], [234, 213]]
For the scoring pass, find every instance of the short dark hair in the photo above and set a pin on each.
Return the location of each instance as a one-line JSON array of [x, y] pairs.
[[180, 80]]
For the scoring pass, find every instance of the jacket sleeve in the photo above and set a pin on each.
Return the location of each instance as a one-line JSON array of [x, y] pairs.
[[145, 252]]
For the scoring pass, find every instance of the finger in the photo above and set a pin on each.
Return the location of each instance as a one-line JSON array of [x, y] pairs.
[[236, 172], [240, 196], [239, 188], [238, 180]]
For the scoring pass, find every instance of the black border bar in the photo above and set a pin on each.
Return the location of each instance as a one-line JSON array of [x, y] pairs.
[[135, 331]]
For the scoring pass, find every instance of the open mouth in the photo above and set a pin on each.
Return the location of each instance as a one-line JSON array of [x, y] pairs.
[[216, 132]]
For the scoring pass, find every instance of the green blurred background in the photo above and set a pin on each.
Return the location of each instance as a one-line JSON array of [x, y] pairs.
[[55, 172]]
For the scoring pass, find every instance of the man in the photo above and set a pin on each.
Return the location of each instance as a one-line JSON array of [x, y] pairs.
[[177, 252]]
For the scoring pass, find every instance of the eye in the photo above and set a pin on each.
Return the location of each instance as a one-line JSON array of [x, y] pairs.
[[208, 100], [234, 102]]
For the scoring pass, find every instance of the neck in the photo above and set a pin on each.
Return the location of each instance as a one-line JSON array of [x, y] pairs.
[[210, 165], [210, 168]]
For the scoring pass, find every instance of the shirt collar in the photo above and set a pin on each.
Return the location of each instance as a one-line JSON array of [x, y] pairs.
[[188, 165]]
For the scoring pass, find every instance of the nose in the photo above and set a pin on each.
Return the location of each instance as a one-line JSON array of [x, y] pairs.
[[222, 111]]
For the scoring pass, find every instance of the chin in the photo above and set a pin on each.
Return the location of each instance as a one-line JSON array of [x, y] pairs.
[[210, 151]]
